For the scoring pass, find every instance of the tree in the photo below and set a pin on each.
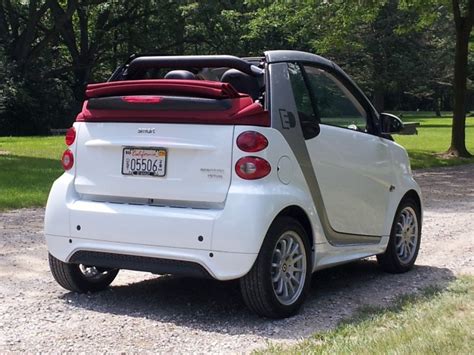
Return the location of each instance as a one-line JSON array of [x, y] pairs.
[[20, 25], [30, 100], [84, 41], [463, 21], [50, 49], [384, 58], [103, 30], [215, 27]]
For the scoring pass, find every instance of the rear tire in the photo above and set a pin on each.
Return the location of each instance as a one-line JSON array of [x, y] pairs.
[[81, 278], [405, 239], [280, 278]]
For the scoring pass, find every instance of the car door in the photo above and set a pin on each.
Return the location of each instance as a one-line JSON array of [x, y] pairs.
[[352, 166]]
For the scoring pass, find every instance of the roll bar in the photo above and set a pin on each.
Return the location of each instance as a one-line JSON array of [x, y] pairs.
[[139, 63]]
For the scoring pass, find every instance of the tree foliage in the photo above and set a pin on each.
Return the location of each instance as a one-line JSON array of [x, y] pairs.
[[401, 52]]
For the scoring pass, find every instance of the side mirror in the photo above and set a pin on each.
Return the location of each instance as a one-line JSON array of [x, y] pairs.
[[390, 124], [310, 129]]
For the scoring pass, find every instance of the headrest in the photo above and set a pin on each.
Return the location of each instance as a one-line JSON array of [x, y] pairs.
[[180, 74], [242, 82]]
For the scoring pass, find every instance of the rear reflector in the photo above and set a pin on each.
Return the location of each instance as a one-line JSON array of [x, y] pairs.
[[252, 168], [142, 99], [251, 141], [67, 160], [70, 136]]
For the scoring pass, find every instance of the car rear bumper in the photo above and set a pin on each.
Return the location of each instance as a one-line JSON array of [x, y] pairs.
[[156, 259], [223, 242]]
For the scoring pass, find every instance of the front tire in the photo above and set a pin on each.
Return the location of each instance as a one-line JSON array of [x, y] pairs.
[[81, 278], [405, 239], [280, 278]]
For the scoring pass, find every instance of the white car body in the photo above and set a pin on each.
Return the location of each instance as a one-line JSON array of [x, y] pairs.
[[203, 214]]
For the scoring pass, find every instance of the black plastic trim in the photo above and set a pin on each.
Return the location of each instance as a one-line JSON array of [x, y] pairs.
[[139, 263], [278, 56], [167, 103]]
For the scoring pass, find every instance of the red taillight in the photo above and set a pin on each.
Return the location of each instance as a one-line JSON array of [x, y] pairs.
[[67, 159], [252, 168], [70, 136], [142, 99], [251, 141]]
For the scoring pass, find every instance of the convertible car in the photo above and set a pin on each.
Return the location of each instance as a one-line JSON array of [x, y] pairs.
[[259, 169]]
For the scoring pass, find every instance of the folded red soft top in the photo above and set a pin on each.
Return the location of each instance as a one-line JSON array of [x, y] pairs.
[[199, 88], [171, 101]]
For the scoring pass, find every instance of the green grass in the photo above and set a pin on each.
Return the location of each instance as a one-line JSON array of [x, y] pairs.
[[434, 322], [433, 139], [28, 167]]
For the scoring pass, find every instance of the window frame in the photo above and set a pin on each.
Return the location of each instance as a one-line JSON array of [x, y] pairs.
[[346, 82]]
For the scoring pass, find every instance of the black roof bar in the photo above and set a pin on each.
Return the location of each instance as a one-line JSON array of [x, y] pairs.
[[197, 61]]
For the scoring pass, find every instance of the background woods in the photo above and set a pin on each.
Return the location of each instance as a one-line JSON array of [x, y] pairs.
[[407, 55]]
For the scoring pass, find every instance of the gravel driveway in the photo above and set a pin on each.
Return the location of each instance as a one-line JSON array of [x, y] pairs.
[[144, 312]]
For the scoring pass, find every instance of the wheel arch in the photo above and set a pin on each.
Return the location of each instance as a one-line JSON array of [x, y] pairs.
[[301, 216], [412, 194]]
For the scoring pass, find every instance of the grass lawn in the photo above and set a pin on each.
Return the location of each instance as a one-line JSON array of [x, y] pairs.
[[434, 137], [435, 322], [28, 167]]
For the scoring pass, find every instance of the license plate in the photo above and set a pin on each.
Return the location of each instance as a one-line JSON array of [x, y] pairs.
[[144, 161]]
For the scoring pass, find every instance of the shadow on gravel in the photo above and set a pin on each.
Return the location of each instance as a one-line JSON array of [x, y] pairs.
[[215, 306]]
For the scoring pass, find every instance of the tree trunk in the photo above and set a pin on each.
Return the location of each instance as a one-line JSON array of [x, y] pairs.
[[81, 77], [379, 100], [458, 135], [438, 107]]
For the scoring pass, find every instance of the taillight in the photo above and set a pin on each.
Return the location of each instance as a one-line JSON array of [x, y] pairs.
[[70, 136], [142, 99], [251, 141], [67, 159], [252, 168]]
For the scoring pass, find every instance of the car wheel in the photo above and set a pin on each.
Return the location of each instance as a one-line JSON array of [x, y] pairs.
[[279, 280], [405, 238], [81, 278]]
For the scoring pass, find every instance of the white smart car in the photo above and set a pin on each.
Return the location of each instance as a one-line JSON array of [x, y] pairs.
[[259, 169]]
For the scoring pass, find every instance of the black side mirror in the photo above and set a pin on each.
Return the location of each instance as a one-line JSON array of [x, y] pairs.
[[390, 124], [310, 129], [309, 124]]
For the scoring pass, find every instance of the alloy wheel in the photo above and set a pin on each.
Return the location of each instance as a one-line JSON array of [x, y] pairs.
[[288, 270]]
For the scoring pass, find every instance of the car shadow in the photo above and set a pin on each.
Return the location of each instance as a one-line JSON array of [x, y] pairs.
[[214, 306]]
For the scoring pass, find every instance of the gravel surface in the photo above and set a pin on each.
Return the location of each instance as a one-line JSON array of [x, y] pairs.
[[144, 312]]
